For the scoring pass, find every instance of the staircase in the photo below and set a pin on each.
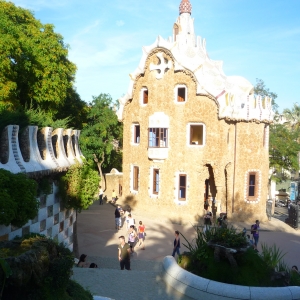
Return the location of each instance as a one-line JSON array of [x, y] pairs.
[[143, 282]]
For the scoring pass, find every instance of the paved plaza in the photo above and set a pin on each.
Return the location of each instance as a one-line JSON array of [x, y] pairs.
[[98, 238]]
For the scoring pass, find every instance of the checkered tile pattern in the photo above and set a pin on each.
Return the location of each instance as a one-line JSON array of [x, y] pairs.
[[52, 220]]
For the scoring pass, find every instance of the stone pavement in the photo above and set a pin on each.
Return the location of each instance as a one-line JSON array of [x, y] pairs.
[[98, 238]]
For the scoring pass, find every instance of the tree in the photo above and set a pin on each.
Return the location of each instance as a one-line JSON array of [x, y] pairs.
[[284, 149], [292, 116], [260, 89], [79, 186], [101, 137], [34, 66], [283, 146], [18, 202]]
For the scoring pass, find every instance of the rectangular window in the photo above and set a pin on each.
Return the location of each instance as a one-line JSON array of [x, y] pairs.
[[137, 134], [158, 137], [181, 94], [155, 181], [182, 187], [196, 134], [136, 178], [252, 185], [145, 96]]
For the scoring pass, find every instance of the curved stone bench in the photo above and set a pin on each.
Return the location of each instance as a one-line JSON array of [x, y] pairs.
[[201, 288]]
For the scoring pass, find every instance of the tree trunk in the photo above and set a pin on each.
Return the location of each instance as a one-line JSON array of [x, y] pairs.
[[99, 165]]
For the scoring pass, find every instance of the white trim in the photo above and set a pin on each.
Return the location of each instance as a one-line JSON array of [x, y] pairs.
[[188, 133], [176, 93], [247, 187], [132, 191], [132, 129], [150, 188], [176, 188], [141, 100]]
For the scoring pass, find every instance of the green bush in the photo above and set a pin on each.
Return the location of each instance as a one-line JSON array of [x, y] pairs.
[[79, 186], [253, 269], [18, 202], [54, 263]]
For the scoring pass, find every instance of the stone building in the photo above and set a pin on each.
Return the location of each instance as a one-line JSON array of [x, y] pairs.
[[193, 135]]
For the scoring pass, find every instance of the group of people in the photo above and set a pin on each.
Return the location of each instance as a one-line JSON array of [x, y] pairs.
[[136, 236], [114, 197], [83, 263]]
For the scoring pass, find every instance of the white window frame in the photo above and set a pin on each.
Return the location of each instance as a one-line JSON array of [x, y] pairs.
[[188, 133], [257, 197], [176, 94], [133, 125], [142, 96], [176, 188], [151, 174], [132, 191]]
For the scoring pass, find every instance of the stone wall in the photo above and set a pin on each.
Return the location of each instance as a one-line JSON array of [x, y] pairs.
[[231, 149], [52, 220], [39, 153]]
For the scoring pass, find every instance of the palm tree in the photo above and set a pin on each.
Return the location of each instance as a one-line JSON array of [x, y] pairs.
[[292, 116]]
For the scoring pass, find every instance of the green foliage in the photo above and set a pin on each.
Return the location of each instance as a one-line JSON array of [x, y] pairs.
[[272, 256], [34, 65], [31, 116], [7, 272], [284, 149], [79, 186], [44, 186], [227, 237], [18, 202], [77, 292], [55, 282], [198, 247], [101, 137]]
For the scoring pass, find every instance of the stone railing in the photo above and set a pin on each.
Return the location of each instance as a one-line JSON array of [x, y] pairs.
[[201, 288], [39, 151]]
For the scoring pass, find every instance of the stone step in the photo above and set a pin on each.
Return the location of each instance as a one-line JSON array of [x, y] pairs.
[[124, 285], [136, 265]]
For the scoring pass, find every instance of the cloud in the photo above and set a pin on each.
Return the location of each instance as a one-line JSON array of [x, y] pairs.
[[120, 23]]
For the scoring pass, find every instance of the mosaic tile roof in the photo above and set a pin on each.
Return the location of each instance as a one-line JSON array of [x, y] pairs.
[[185, 7]]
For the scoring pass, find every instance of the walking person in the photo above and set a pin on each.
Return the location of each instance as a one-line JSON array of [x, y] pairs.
[[113, 196], [255, 233], [141, 235], [207, 221], [131, 238], [100, 196], [124, 254], [118, 217], [176, 248]]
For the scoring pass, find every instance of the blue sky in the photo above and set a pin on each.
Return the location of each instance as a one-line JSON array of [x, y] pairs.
[[254, 39]]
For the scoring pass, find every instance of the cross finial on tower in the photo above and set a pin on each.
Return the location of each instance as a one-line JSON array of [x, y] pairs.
[[185, 7]]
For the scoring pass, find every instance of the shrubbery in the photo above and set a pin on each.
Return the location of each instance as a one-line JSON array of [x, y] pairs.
[[79, 186], [251, 268], [18, 202], [40, 269]]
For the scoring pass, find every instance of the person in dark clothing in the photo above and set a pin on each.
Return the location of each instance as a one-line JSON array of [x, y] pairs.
[[118, 217], [176, 248], [124, 254]]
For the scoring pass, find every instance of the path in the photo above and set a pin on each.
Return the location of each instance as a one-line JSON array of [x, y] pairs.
[[98, 238]]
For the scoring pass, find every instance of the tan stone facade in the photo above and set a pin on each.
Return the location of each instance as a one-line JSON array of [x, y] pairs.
[[192, 135], [229, 151]]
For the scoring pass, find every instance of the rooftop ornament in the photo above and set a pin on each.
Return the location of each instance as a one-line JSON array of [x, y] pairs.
[[185, 7]]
